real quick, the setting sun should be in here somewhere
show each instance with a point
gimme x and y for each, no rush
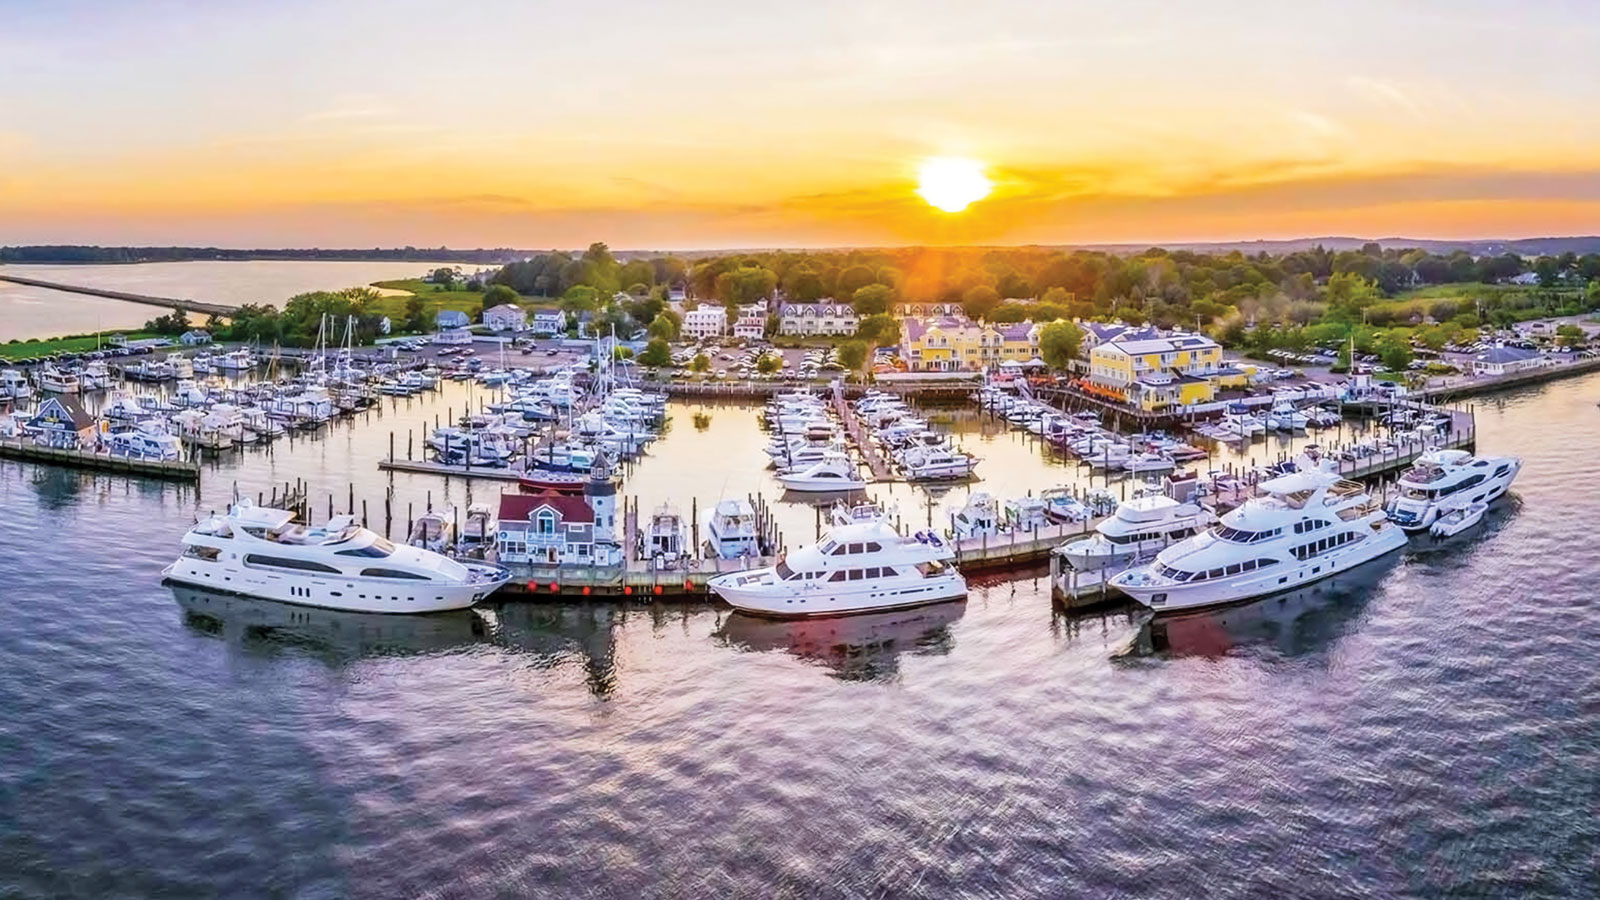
(952, 184)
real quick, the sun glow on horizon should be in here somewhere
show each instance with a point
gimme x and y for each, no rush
(952, 183)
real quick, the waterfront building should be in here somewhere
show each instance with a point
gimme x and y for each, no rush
(195, 338)
(957, 343)
(505, 317)
(705, 321)
(1097, 333)
(1155, 374)
(551, 529)
(453, 336)
(812, 319)
(62, 422)
(1506, 360)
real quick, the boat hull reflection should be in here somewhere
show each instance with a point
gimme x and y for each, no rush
(1296, 622)
(269, 627)
(857, 647)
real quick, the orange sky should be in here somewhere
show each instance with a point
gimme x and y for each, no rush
(352, 124)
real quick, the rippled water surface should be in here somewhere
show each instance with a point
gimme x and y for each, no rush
(1427, 726)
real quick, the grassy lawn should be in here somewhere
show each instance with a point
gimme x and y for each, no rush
(469, 302)
(73, 344)
(1472, 290)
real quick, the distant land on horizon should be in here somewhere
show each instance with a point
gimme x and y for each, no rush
(94, 254)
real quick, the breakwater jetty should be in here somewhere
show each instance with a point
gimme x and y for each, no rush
(195, 306)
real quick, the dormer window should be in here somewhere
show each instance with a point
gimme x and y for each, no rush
(544, 522)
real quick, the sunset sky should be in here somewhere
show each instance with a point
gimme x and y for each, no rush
(737, 124)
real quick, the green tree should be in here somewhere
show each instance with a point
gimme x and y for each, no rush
(872, 299)
(1395, 352)
(700, 363)
(444, 276)
(416, 319)
(878, 329)
(768, 364)
(854, 278)
(1571, 335)
(980, 300)
(667, 324)
(1059, 343)
(499, 295)
(658, 353)
(852, 355)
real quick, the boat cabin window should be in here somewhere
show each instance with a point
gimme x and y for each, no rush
(887, 572)
(1240, 536)
(378, 549)
(873, 546)
(856, 574)
(392, 573)
(209, 554)
(840, 575)
(856, 548)
(279, 562)
(783, 570)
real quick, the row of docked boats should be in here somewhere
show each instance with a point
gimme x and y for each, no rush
(813, 452)
(1081, 435)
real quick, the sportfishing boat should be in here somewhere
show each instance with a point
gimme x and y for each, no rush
(860, 567)
(235, 361)
(1148, 462)
(261, 552)
(1140, 527)
(479, 528)
(1445, 480)
(834, 472)
(665, 536)
(1309, 524)
(432, 531)
(1062, 506)
(1284, 417)
(980, 517)
(731, 529)
(1026, 514)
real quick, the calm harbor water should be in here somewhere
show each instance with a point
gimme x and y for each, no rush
(27, 312)
(1424, 727)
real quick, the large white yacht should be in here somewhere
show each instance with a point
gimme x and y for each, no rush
(1447, 480)
(1141, 526)
(1308, 525)
(260, 552)
(859, 567)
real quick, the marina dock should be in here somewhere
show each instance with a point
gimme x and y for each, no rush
(177, 470)
(858, 435)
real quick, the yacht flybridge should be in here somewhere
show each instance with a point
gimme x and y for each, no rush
(857, 567)
(1444, 481)
(1309, 525)
(260, 552)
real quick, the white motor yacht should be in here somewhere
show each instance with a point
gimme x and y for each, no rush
(144, 444)
(94, 376)
(1062, 506)
(14, 385)
(1309, 525)
(922, 464)
(1148, 462)
(1140, 527)
(261, 552)
(731, 529)
(57, 381)
(859, 567)
(1284, 417)
(1446, 480)
(834, 472)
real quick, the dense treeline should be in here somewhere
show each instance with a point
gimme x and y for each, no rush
(296, 325)
(93, 254)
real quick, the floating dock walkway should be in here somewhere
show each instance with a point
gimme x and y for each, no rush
(194, 306)
(176, 470)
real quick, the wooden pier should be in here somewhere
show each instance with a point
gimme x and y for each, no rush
(428, 467)
(176, 470)
(858, 434)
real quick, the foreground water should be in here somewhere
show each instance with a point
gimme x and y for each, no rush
(1427, 726)
(29, 312)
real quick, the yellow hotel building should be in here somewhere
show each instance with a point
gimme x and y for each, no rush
(1158, 373)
